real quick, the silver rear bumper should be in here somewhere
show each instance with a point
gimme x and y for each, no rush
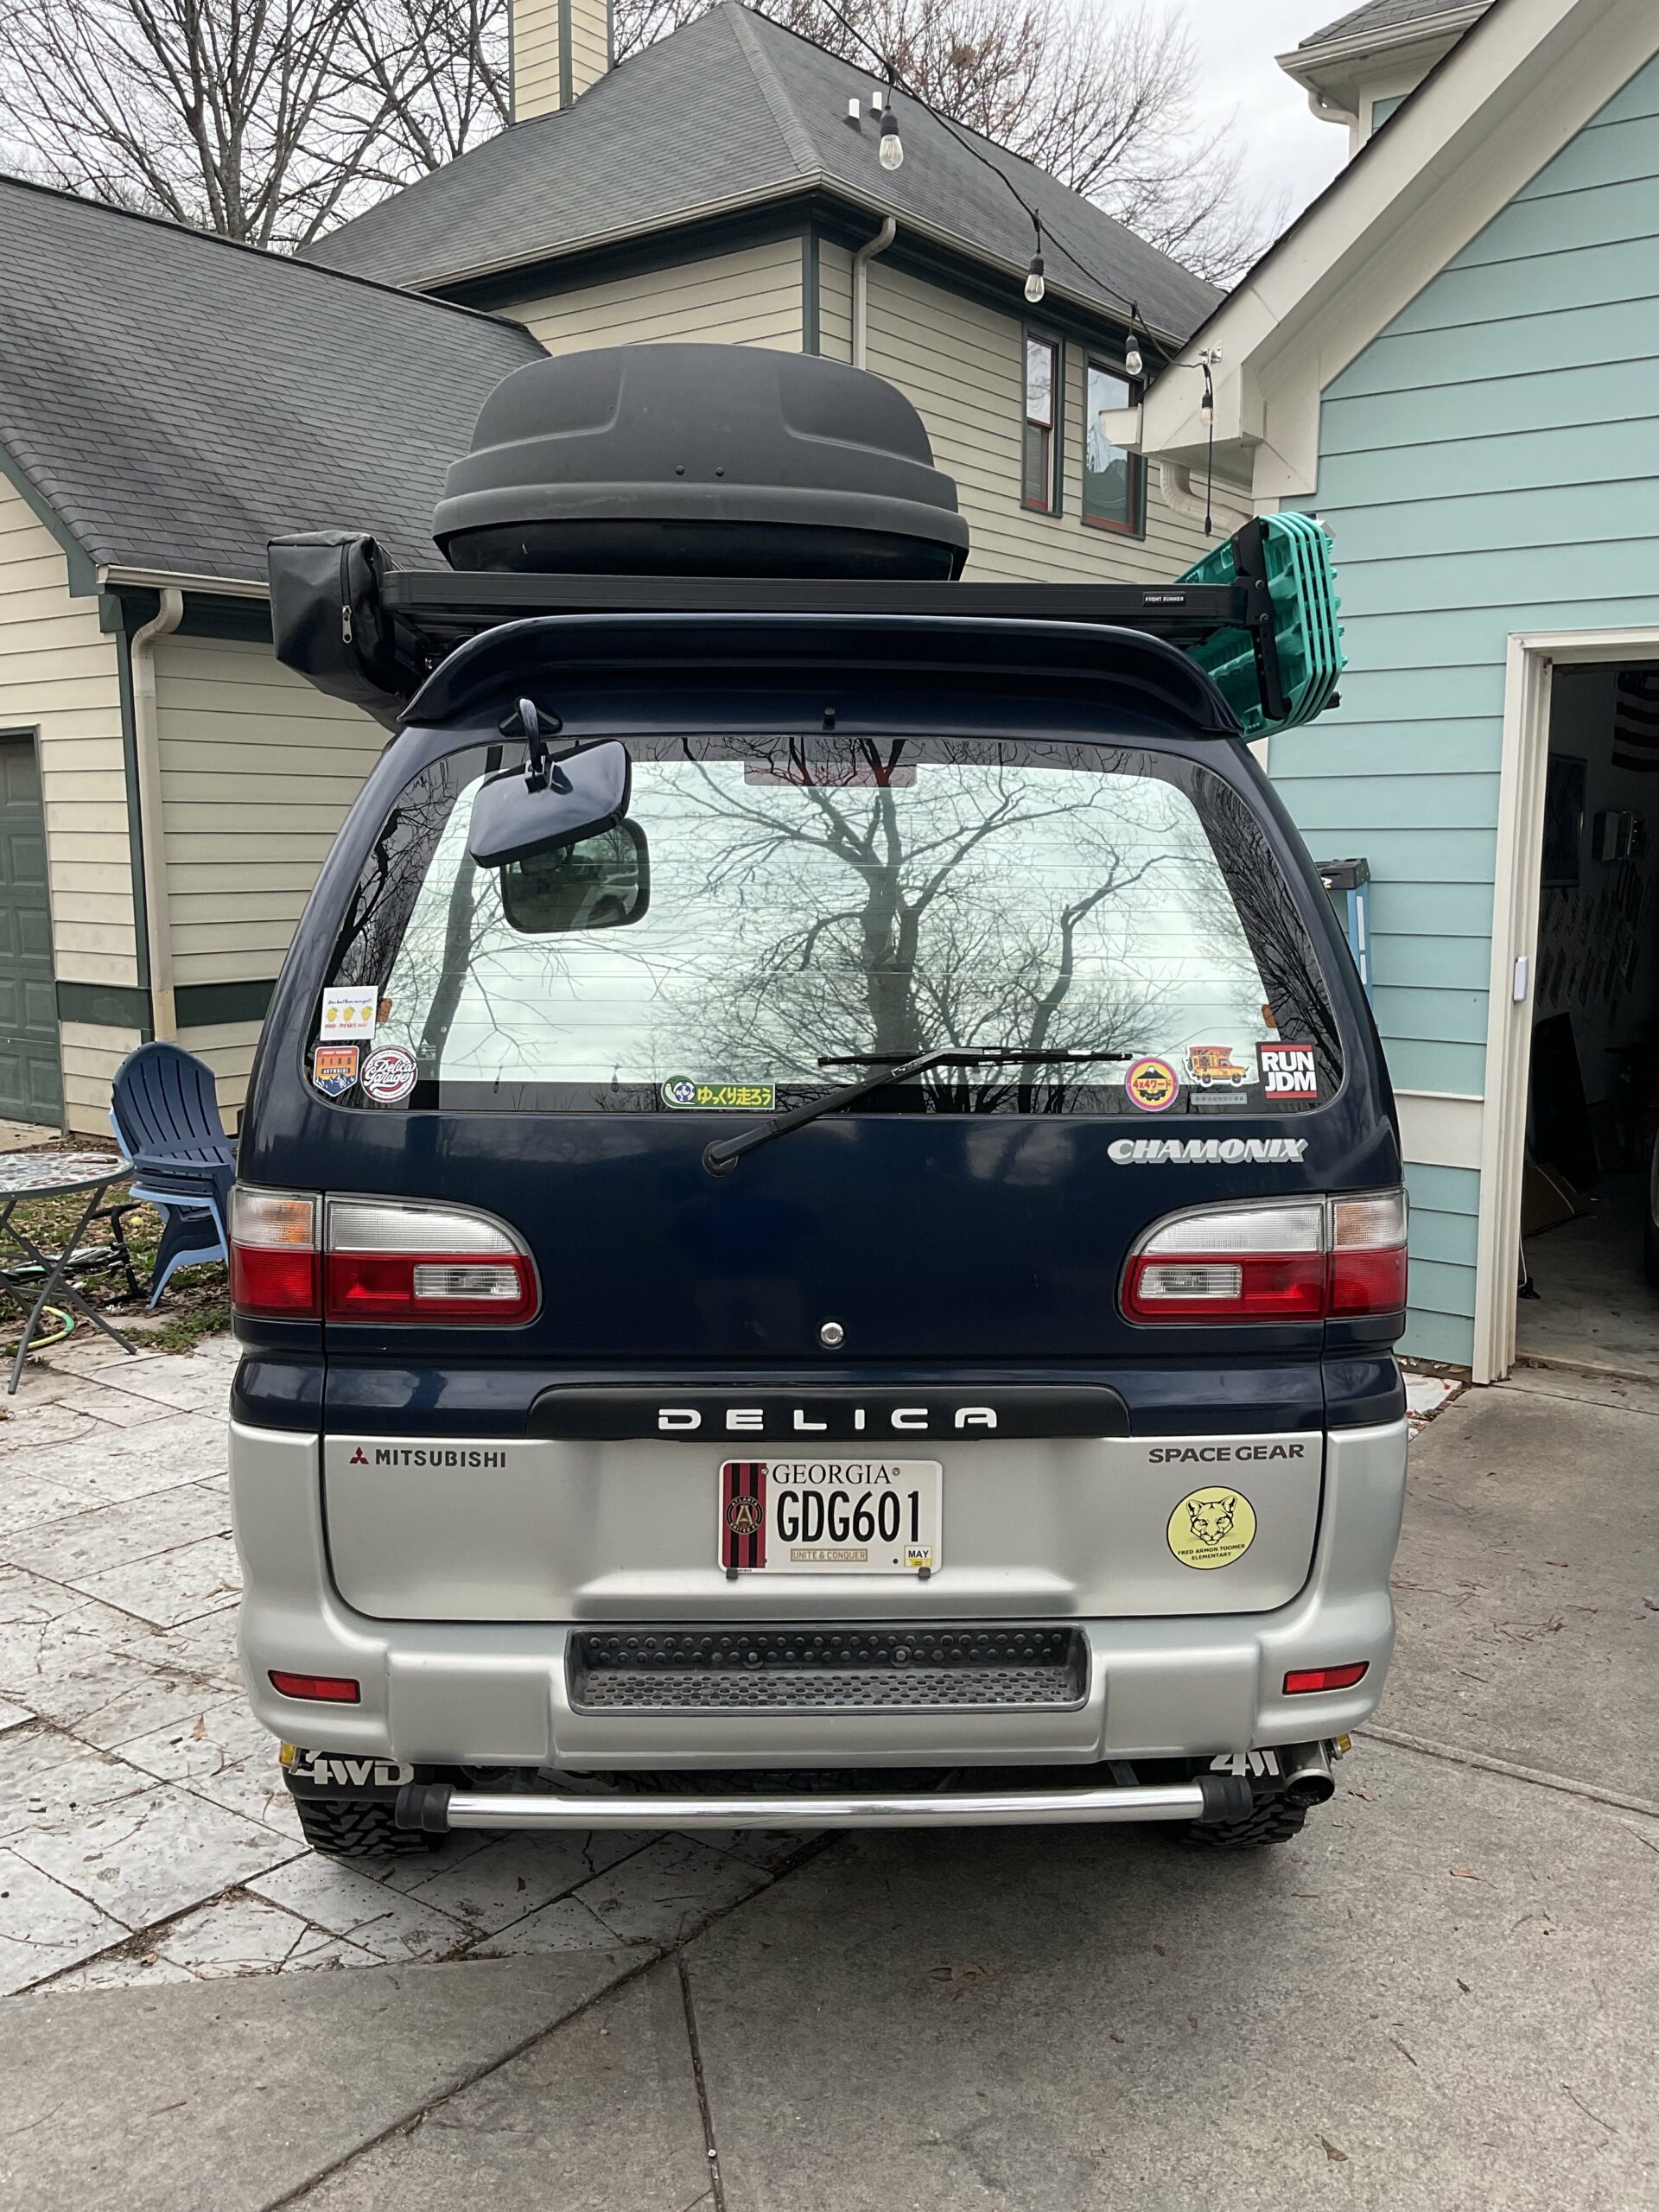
(1209, 1798)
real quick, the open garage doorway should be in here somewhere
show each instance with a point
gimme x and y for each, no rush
(1589, 1286)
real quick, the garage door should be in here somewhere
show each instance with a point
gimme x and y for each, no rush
(31, 1080)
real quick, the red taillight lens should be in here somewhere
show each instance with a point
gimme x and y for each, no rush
(321, 1690)
(274, 1265)
(392, 1260)
(1298, 1261)
(1368, 1254)
(1301, 1680)
(375, 1260)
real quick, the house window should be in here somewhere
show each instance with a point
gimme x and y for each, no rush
(1037, 488)
(1382, 110)
(1112, 478)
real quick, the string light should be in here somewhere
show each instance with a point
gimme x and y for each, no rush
(1036, 283)
(890, 151)
(1133, 362)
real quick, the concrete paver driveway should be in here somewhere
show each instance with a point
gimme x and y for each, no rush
(1444, 1995)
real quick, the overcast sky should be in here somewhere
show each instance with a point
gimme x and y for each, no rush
(1284, 149)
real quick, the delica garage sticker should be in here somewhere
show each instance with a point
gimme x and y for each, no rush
(1288, 1071)
(1220, 1067)
(333, 1069)
(720, 1097)
(347, 1013)
(1212, 1527)
(389, 1075)
(1153, 1085)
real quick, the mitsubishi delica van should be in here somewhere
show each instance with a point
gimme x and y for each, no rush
(819, 1235)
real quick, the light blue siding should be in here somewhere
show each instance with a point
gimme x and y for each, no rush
(1489, 464)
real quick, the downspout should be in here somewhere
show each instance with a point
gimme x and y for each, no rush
(146, 735)
(861, 260)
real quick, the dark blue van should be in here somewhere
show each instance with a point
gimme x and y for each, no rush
(820, 1235)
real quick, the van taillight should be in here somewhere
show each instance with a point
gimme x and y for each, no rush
(387, 1260)
(275, 1266)
(1299, 1260)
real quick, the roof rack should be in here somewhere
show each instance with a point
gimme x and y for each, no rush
(1257, 614)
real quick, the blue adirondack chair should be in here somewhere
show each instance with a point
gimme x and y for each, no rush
(165, 1114)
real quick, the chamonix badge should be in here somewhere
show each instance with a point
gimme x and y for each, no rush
(1212, 1527)
(1153, 1085)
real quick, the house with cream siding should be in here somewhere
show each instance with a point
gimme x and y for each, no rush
(1450, 360)
(169, 401)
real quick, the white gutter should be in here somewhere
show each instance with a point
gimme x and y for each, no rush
(861, 260)
(1381, 46)
(116, 578)
(152, 840)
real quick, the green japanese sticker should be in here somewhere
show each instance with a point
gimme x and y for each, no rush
(720, 1097)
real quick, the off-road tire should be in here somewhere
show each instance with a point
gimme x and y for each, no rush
(359, 1828)
(1271, 1819)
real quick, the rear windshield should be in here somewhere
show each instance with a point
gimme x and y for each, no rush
(775, 915)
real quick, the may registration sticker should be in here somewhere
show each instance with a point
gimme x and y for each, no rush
(815, 1516)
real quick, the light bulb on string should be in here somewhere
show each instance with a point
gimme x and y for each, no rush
(1133, 364)
(1036, 284)
(890, 152)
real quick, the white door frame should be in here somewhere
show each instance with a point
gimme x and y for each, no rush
(1533, 658)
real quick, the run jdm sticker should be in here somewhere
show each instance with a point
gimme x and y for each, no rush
(1288, 1071)
(1153, 1085)
(333, 1069)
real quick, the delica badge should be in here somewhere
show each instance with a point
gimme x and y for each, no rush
(1288, 1071)
(348, 1012)
(333, 1069)
(1220, 1067)
(683, 1091)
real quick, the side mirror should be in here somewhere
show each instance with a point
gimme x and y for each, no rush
(601, 882)
(524, 813)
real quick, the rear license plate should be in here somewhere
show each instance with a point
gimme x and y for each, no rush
(817, 1517)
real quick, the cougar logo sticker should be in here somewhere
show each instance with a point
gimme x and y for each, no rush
(1212, 1527)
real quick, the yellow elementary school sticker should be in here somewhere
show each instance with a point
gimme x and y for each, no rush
(1212, 1527)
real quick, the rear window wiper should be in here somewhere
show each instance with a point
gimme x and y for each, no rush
(723, 1154)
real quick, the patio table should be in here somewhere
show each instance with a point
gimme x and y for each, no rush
(27, 1175)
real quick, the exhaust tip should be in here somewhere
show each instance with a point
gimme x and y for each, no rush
(1308, 1779)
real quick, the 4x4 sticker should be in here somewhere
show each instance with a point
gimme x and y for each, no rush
(1153, 1085)
(1288, 1071)
(720, 1097)
(389, 1075)
(1212, 1527)
(333, 1069)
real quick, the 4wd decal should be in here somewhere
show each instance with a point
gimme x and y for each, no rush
(343, 1770)
(1207, 1152)
(1288, 1071)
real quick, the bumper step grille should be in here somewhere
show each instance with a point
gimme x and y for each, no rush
(831, 1671)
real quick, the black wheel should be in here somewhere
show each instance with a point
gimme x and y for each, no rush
(359, 1827)
(1271, 1819)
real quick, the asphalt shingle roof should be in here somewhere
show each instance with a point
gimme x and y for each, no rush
(1382, 15)
(734, 109)
(179, 400)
